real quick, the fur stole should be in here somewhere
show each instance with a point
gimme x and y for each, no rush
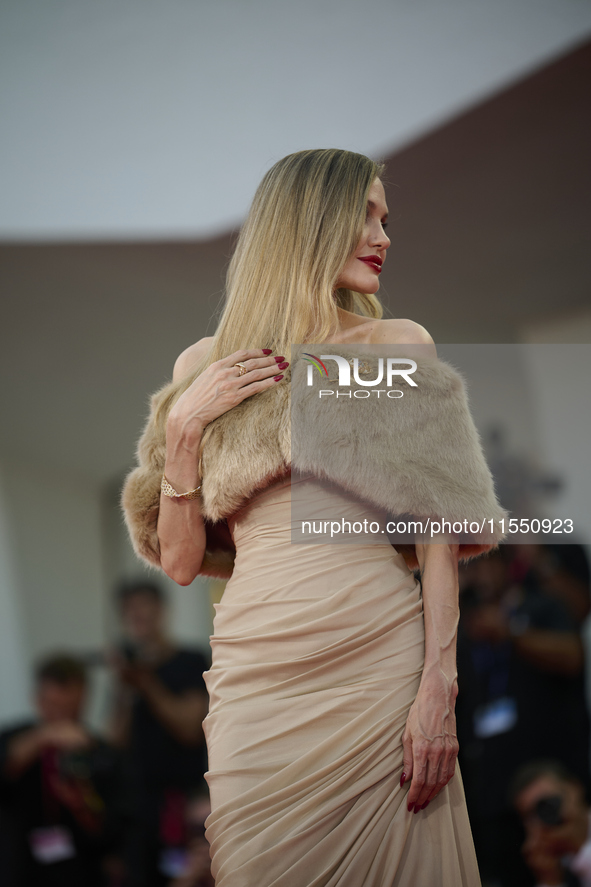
(415, 454)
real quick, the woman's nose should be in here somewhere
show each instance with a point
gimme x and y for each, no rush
(381, 239)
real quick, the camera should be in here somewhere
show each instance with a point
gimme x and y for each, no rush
(76, 764)
(86, 764)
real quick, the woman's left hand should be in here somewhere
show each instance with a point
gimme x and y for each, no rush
(429, 740)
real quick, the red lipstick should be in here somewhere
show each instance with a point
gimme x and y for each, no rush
(373, 261)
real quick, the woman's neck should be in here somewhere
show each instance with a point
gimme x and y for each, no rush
(353, 327)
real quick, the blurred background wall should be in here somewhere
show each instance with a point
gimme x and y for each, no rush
(133, 137)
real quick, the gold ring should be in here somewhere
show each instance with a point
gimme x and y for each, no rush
(242, 369)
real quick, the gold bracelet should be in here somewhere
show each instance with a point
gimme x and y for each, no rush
(170, 491)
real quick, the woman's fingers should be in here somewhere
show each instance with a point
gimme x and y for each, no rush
(432, 770)
(407, 766)
(450, 762)
(257, 367)
(445, 770)
(221, 387)
(416, 786)
(260, 377)
(229, 387)
(435, 783)
(261, 373)
(425, 772)
(243, 354)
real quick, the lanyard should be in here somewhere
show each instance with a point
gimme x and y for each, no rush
(49, 772)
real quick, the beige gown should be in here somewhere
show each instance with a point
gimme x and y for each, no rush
(317, 655)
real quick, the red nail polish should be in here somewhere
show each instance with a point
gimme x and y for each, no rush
(277, 378)
(426, 804)
(402, 779)
(267, 350)
(417, 809)
(283, 366)
(280, 358)
(409, 808)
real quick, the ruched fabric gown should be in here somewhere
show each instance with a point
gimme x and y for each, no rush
(317, 655)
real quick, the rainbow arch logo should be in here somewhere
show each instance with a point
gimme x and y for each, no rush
(315, 361)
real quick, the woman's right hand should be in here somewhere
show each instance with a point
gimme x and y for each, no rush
(220, 387)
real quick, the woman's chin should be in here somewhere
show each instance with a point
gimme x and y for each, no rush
(369, 287)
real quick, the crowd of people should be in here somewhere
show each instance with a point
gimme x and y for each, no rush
(521, 695)
(128, 808)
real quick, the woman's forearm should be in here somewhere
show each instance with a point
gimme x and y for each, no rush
(430, 745)
(181, 531)
(439, 580)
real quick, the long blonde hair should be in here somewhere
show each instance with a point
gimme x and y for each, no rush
(305, 221)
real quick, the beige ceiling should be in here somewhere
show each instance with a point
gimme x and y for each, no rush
(491, 218)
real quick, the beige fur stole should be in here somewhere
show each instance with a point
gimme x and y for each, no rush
(417, 455)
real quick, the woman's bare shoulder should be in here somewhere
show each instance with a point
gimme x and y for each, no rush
(190, 357)
(394, 331)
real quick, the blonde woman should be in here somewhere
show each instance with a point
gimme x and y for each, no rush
(331, 731)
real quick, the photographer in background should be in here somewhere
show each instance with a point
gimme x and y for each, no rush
(60, 787)
(556, 817)
(160, 705)
(521, 692)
